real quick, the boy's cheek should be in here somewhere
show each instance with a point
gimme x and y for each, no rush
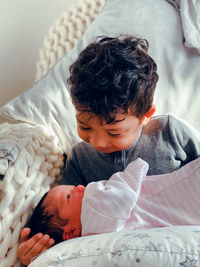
(83, 136)
(123, 143)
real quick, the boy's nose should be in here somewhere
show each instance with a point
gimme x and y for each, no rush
(98, 141)
(80, 188)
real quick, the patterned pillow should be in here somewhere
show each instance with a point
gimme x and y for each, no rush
(168, 246)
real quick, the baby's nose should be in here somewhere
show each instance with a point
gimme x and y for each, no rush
(80, 188)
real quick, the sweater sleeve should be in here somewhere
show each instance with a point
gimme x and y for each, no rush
(107, 205)
(185, 138)
(72, 173)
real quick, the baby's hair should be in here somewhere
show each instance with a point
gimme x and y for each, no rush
(44, 223)
(112, 75)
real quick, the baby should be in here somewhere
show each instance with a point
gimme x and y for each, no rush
(128, 200)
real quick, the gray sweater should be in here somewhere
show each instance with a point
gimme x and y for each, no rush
(166, 143)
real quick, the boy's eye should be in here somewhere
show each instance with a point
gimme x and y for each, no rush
(114, 135)
(84, 128)
(68, 196)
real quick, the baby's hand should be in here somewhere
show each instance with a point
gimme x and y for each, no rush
(29, 248)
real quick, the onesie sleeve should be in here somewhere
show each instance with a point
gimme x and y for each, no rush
(107, 205)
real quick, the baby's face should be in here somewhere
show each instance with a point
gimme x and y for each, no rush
(66, 202)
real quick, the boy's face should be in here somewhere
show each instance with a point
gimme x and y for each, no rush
(66, 202)
(108, 138)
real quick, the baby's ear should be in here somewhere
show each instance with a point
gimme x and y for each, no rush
(70, 232)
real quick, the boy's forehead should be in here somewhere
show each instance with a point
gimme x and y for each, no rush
(85, 116)
(56, 191)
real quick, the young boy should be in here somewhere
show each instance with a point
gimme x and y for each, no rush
(112, 87)
(129, 200)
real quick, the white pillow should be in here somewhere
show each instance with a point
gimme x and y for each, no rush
(169, 247)
(48, 103)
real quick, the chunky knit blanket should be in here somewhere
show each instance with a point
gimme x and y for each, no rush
(24, 182)
(65, 32)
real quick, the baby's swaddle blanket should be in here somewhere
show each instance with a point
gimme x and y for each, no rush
(130, 200)
(190, 18)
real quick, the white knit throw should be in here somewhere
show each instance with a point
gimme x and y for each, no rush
(35, 170)
(65, 33)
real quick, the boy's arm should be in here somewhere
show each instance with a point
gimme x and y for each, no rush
(185, 136)
(72, 174)
(108, 204)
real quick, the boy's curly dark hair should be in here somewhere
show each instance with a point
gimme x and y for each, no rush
(113, 74)
(41, 222)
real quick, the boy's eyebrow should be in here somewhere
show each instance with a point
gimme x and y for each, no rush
(115, 121)
(81, 121)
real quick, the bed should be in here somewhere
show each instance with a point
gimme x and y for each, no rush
(43, 129)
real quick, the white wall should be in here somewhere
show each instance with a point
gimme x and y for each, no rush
(23, 26)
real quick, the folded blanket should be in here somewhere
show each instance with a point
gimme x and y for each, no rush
(190, 18)
(8, 155)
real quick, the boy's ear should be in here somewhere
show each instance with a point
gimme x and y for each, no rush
(151, 111)
(70, 232)
(149, 114)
